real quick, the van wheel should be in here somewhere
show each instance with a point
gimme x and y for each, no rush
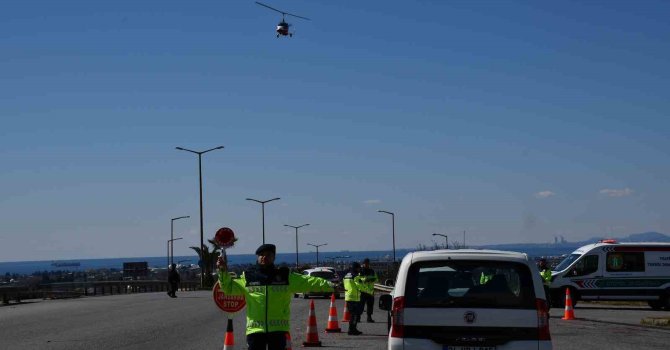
(304, 296)
(656, 304)
(557, 301)
(558, 298)
(663, 303)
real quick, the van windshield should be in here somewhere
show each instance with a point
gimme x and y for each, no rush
(470, 284)
(566, 262)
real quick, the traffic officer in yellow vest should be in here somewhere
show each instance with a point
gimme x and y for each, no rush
(354, 283)
(268, 291)
(545, 273)
(368, 299)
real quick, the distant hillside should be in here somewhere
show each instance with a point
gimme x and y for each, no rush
(541, 249)
(646, 237)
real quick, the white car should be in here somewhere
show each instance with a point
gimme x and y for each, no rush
(467, 299)
(327, 273)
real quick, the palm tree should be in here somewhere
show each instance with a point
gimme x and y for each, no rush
(208, 260)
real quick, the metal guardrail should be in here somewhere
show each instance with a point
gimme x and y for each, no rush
(77, 289)
(383, 288)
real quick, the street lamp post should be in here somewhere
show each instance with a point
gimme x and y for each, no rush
(446, 239)
(296, 242)
(202, 275)
(172, 236)
(392, 228)
(263, 211)
(168, 248)
(317, 251)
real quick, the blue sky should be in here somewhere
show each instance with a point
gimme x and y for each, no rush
(513, 121)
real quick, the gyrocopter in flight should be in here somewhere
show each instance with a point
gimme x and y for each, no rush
(282, 27)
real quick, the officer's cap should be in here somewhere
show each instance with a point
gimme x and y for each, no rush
(355, 265)
(366, 261)
(266, 247)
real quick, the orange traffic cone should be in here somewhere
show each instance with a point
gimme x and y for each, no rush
(312, 338)
(289, 343)
(569, 311)
(229, 340)
(332, 326)
(346, 317)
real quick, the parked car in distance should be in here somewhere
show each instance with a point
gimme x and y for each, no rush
(467, 299)
(327, 273)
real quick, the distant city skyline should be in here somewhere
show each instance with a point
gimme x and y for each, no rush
(514, 122)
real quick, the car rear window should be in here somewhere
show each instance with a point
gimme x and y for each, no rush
(459, 283)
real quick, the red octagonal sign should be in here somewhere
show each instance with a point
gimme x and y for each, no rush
(227, 303)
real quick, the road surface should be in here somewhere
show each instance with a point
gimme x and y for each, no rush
(192, 321)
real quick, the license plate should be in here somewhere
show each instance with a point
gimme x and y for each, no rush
(449, 347)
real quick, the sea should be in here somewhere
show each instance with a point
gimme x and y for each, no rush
(73, 265)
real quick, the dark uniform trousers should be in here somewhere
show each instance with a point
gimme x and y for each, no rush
(355, 309)
(367, 301)
(269, 341)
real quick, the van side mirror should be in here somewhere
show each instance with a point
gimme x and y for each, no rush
(385, 302)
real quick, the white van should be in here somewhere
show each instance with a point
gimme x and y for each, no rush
(609, 270)
(467, 299)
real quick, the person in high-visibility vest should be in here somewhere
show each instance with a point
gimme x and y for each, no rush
(354, 283)
(268, 291)
(368, 299)
(484, 278)
(545, 273)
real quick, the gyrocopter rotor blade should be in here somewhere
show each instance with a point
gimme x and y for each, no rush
(289, 14)
(282, 12)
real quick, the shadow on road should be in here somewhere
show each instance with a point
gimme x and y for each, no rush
(628, 308)
(19, 303)
(635, 325)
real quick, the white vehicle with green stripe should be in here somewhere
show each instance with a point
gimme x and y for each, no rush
(609, 270)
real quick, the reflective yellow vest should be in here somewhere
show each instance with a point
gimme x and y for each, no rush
(485, 278)
(546, 276)
(370, 280)
(354, 285)
(268, 302)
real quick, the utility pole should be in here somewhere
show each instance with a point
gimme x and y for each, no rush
(317, 251)
(296, 243)
(446, 239)
(263, 211)
(171, 261)
(392, 228)
(202, 244)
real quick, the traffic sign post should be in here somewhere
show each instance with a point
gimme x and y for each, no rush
(228, 303)
(225, 238)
